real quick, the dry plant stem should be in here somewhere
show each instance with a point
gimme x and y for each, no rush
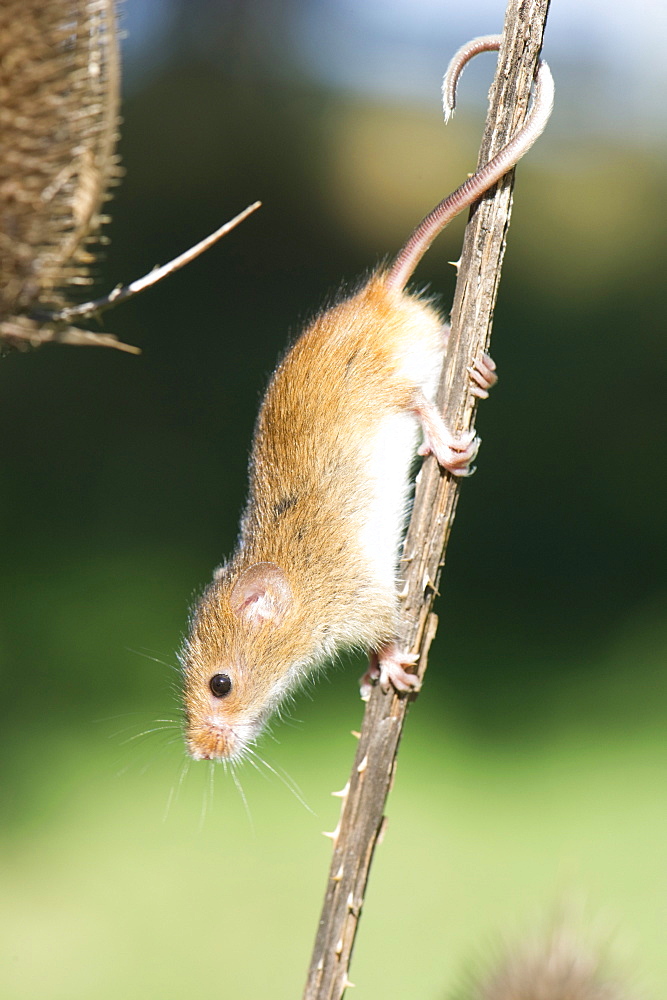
(364, 797)
(41, 327)
(120, 294)
(22, 329)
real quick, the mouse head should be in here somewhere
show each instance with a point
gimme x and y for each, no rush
(236, 661)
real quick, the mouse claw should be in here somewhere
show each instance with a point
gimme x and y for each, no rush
(366, 685)
(368, 681)
(483, 374)
(454, 452)
(387, 667)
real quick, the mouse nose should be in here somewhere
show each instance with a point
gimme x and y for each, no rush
(212, 740)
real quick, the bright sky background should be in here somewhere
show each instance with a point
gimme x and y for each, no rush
(608, 56)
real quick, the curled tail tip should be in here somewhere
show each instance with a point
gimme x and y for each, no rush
(448, 98)
(485, 177)
(458, 62)
(546, 82)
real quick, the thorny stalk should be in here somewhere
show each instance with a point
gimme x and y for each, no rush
(364, 796)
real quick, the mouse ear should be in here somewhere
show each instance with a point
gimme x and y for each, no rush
(261, 594)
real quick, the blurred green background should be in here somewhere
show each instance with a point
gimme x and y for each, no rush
(533, 765)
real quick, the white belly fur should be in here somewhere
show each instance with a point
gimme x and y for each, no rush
(389, 475)
(389, 467)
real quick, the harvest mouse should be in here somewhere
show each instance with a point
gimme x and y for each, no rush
(314, 571)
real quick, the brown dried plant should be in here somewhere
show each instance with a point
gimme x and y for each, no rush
(59, 99)
(559, 965)
(59, 102)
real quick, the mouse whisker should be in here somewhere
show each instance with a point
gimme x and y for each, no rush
(155, 659)
(149, 732)
(207, 795)
(283, 777)
(175, 789)
(244, 800)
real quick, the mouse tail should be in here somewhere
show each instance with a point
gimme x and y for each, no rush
(405, 263)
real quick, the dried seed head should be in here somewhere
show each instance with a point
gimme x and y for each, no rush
(560, 966)
(59, 94)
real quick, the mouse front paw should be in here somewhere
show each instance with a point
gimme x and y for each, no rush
(387, 666)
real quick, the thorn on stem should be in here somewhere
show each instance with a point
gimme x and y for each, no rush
(333, 834)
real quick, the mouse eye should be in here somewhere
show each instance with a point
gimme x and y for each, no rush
(220, 685)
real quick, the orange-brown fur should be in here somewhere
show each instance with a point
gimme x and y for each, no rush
(329, 482)
(309, 492)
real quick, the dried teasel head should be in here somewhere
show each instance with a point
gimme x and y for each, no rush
(59, 98)
(560, 964)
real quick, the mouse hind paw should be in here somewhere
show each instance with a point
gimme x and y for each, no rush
(454, 452)
(482, 376)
